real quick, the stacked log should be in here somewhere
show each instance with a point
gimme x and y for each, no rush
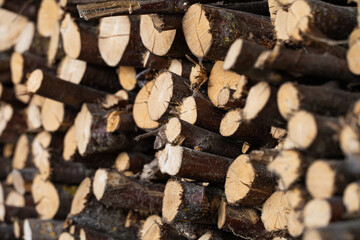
(168, 119)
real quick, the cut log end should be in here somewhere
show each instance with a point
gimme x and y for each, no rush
(233, 53)
(114, 36)
(151, 228)
(6, 113)
(275, 212)
(170, 159)
(258, 97)
(302, 129)
(288, 100)
(52, 114)
(113, 121)
(71, 69)
(317, 213)
(187, 110)
(34, 81)
(66, 236)
(298, 20)
(15, 199)
(127, 77)
(48, 16)
(79, 200)
(83, 123)
(172, 200)
(22, 150)
(353, 58)
(27, 230)
(320, 179)
(160, 95)
(196, 29)
(156, 42)
(18, 181)
(99, 183)
(33, 117)
(221, 214)
(24, 41)
(69, 143)
(173, 130)
(352, 197)
(239, 178)
(230, 122)
(70, 36)
(16, 67)
(122, 162)
(349, 140)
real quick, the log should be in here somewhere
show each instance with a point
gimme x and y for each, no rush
(154, 229)
(317, 135)
(131, 161)
(275, 212)
(165, 22)
(5, 167)
(6, 231)
(90, 127)
(42, 229)
(186, 201)
(9, 213)
(248, 183)
(55, 116)
(351, 198)
(320, 212)
(179, 132)
(255, 7)
(48, 16)
(8, 95)
(22, 179)
(169, 89)
(338, 230)
(199, 111)
(118, 121)
(197, 165)
(169, 43)
(325, 179)
(207, 41)
(118, 191)
(72, 94)
(22, 154)
(309, 19)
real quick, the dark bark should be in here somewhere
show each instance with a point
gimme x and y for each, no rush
(44, 229)
(5, 167)
(28, 9)
(164, 22)
(6, 232)
(255, 7)
(12, 212)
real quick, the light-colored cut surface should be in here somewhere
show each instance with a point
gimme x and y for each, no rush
(221, 214)
(27, 230)
(295, 224)
(83, 123)
(48, 16)
(172, 200)
(160, 95)
(230, 122)
(317, 213)
(69, 143)
(320, 179)
(16, 67)
(256, 100)
(349, 140)
(140, 110)
(99, 184)
(11, 26)
(127, 77)
(66, 236)
(175, 67)
(71, 37)
(122, 162)
(53, 44)
(156, 42)
(275, 212)
(25, 38)
(79, 200)
(52, 114)
(353, 58)
(196, 29)
(6, 113)
(113, 120)
(302, 129)
(33, 117)
(114, 36)
(18, 181)
(298, 19)
(34, 80)
(170, 159)
(22, 93)
(233, 54)
(151, 228)
(15, 199)
(351, 197)
(173, 130)
(288, 100)
(2, 212)
(22, 150)
(187, 110)
(71, 69)
(280, 25)
(239, 179)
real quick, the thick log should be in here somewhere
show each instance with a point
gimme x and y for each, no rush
(56, 116)
(179, 132)
(118, 121)
(317, 135)
(275, 212)
(5, 167)
(131, 161)
(199, 111)
(248, 183)
(211, 37)
(9, 213)
(320, 212)
(351, 198)
(118, 191)
(155, 229)
(192, 164)
(165, 22)
(91, 134)
(42, 229)
(169, 89)
(325, 179)
(315, 20)
(255, 7)
(169, 43)
(186, 201)
(8, 95)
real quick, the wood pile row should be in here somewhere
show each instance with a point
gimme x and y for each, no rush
(172, 119)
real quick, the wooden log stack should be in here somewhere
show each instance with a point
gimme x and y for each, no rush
(169, 119)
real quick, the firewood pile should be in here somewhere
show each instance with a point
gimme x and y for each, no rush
(173, 119)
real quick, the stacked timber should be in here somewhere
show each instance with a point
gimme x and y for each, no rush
(169, 119)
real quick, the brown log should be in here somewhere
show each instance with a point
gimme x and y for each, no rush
(320, 212)
(9, 213)
(186, 201)
(90, 126)
(209, 38)
(317, 135)
(243, 222)
(199, 111)
(42, 229)
(22, 179)
(169, 43)
(5, 167)
(6, 232)
(118, 121)
(197, 165)
(165, 22)
(309, 19)
(275, 212)
(28, 9)
(118, 191)
(338, 230)
(169, 89)
(322, 100)
(72, 94)
(248, 183)
(179, 132)
(8, 95)
(131, 161)
(325, 179)
(151, 173)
